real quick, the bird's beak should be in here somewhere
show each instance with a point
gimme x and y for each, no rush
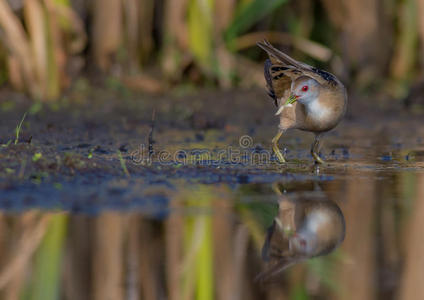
(292, 99)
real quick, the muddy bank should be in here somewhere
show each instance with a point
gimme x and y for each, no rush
(94, 149)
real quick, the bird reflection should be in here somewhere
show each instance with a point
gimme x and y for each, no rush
(305, 227)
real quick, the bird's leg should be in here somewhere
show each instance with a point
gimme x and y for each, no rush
(315, 150)
(276, 188)
(275, 148)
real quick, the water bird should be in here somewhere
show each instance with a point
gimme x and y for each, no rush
(307, 98)
(303, 228)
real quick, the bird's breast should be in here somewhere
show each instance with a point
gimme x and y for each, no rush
(318, 111)
(323, 115)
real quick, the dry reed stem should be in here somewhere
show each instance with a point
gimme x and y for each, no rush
(57, 57)
(420, 13)
(175, 36)
(411, 281)
(131, 27)
(135, 278)
(175, 22)
(365, 36)
(306, 17)
(388, 230)
(224, 262)
(173, 244)
(3, 236)
(404, 57)
(36, 25)
(240, 246)
(77, 30)
(14, 39)
(13, 290)
(37, 57)
(108, 257)
(15, 74)
(336, 12)
(77, 279)
(224, 13)
(358, 272)
(149, 264)
(362, 28)
(145, 28)
(33, 229)
(106, 31)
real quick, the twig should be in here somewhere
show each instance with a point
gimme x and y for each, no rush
(29, 241)
(18, 128)
(124, 167)
(22, 169)
(152, 127)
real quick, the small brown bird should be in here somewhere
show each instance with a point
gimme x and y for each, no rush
(303, 228)
(307, 98)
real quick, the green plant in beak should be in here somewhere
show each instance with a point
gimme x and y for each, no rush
(290, 100)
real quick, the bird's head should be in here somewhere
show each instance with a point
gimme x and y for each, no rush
(321, 232)
(304, 244)
(305, 89)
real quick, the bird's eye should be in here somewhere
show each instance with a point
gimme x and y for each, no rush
(305, 88)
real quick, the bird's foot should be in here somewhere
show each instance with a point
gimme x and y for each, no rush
(318, 160)
(279, 155)
(275, 148)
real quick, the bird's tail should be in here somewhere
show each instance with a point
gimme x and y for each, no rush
(282, 57)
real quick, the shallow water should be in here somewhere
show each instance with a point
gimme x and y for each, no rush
(190, 221)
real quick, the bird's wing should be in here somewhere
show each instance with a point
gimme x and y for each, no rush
(279, 78)
(282, 57)
(278, 58)
(276, 267)
(275, 243)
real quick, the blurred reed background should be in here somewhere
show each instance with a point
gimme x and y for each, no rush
(154, 45)
(208, 247)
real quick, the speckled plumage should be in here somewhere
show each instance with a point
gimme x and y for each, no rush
(320, 114)
(318, 223)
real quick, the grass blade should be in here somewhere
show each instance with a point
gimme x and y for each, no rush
(249, 15)
(34, 16)
(123, 165)
(46, 276)
(200, 14)
(198, 269)
(14, 39)
(18, 128)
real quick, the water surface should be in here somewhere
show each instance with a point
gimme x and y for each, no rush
(104, 214)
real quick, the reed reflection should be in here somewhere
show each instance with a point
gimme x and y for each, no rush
(306, 226)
